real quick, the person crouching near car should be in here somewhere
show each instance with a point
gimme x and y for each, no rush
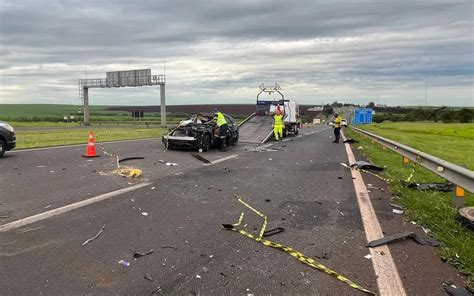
(222, 125)
(337, 127)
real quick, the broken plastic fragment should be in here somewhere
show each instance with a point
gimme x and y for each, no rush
(145, 213)
(124, 263)
(396, 211)
(368, 256)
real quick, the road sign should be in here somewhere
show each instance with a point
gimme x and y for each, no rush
(363, 115)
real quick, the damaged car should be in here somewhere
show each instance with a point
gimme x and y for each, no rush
(201, 132)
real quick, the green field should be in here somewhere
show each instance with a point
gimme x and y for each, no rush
(59, 137)
(430, 209)
(453, 142)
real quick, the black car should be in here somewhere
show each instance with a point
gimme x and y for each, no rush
(7, 138)
(201, 132)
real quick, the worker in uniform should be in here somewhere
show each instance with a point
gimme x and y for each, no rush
(278, 126)
(337, 127)
(222, 125)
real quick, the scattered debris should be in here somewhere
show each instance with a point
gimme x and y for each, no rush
(269, 159)
(273, 231)
(156, 291)
(226, 170)
(360, 148)
(413, 222)
(198, 276)
(128, 172)
(40, 166)
(364, 165)
(425, 230)
(169, 247)
(131, 158)
(201, 158)
(443, 187)
(95, 236)
(267, 200)
(350, 141)
(466, 215)
(388, 239)
(399, 212)
(396, 206)
(455, 291)
(340, 178)
(171, 164)
(145, 214)
(124, 263)
(148, 277)
(5, 215)
(47, 207)
(368, 256)
(138, 254)
(153, 188)
(345, 165)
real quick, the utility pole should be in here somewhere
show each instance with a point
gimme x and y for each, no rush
(426, 91)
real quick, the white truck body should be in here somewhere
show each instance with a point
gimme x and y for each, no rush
(292, 115)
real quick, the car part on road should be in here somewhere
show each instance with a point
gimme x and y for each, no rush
(455, 291)
(148, 277)
(201, 158)
(273, 231)
(364, 165)
(290, 251)
(124, 263)
(466, 215)
(408, 234)
(131, 158)
(444, 187)
(399, 212)
(350, 141)
(169, 247)
(95, 236)
(139, 254)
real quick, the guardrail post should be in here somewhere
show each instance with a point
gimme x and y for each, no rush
(458, 196)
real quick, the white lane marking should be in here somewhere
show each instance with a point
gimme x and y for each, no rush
(299, 136)
(67, 208)
(79, 145)
(285, 140)
(388, 279)
(224, 159)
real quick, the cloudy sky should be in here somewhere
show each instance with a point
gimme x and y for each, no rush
(221, 51)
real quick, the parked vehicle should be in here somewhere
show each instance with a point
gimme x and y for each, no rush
(7, 138)
(343, 122)
(200, 132)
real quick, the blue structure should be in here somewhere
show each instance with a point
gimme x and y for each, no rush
(362, 115)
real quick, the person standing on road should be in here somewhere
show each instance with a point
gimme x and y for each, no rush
(337, 127)
(278, 126)
(222, 125)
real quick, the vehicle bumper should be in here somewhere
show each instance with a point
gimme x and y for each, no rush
(177, 141)
(11, 144)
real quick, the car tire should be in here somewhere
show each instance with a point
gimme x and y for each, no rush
(206, 143)
(236, 140)
(3, 147)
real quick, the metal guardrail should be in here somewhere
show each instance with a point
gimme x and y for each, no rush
(453, 173)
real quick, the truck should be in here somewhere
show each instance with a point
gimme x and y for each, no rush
(291, 115)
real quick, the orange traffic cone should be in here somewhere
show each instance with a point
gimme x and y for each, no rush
(90, 152)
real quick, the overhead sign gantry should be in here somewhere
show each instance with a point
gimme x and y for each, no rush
(131, 78)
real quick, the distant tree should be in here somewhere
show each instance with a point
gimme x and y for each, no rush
(371, 105)
(465, 115)
(327, 110)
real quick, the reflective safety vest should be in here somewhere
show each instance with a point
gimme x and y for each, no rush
(278, 119)
(220, 119)
(337, 122)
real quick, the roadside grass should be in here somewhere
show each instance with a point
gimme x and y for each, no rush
(58, 137)
(428, 208)
(449, 141)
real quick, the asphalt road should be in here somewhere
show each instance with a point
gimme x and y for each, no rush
(301, 187)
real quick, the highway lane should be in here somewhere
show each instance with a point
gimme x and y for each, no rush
(301, 187)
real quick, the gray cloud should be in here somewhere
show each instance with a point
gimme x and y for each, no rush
(222, 50)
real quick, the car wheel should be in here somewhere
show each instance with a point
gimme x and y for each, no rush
(206, 143)
(235, 140)
(3, 147)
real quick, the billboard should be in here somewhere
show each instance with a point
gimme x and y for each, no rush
(363, 115)
(128, 78)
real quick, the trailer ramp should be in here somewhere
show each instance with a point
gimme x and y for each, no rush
(256, 129)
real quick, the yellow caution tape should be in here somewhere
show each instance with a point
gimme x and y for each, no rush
(298, 255)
